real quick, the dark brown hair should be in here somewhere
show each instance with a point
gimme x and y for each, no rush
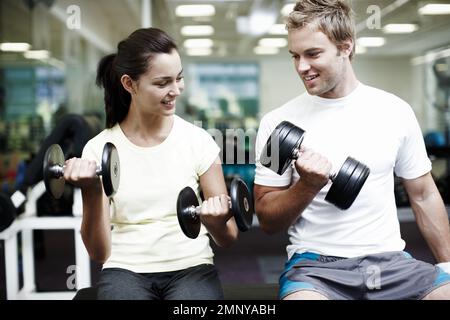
(132, 58)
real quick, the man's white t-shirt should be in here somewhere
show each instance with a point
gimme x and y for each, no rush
(372, 126)
(146, 236)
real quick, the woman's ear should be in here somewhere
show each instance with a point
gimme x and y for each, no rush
(128, 84)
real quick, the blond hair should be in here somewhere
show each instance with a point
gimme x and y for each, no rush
(332, 17)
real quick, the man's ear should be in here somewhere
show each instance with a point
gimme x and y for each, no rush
(346, 47)
(128, 83)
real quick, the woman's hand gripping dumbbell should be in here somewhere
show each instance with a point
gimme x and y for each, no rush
(55, 170)
(239, 202)
(347, 182)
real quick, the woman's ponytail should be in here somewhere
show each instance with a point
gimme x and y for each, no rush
(117, 99)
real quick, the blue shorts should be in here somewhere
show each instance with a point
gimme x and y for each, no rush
(389, 275)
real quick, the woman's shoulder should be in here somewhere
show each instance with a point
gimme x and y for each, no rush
(187, 127)
(106, 135)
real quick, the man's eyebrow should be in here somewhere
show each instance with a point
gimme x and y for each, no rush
(307, 50)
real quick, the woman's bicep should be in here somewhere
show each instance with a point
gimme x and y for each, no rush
(212, 182)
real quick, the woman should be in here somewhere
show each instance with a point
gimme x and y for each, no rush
(136, 234)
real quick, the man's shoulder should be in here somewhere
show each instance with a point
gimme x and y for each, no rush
(381, 94)
(287, 109)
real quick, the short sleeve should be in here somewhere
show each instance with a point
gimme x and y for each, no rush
(263, 175)
(206, 152)
(412, 159)
(89, 152)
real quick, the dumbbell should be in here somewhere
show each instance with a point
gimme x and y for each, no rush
(347, 182)
(189, 210)
(54, 170)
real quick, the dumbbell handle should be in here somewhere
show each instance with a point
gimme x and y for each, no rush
(58, 171)
(196, 211)
(296, 154)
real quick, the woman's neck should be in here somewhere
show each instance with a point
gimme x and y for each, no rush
(146, 130)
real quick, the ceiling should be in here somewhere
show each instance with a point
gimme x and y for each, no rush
(105, 22)
(433, 32)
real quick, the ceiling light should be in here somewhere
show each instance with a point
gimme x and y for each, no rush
(435, 8)
(198, 51)
(371, 41)
(273, 42)
(441, 67)
(195, 10)
(204, 30)
(360, 49)
(400, 28)
(263, 14)
(14, 46)
(36, 54)
(278, 29)
(287, 8)
(265, 50)
(198, 43)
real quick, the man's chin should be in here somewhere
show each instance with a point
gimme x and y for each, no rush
(313, 91)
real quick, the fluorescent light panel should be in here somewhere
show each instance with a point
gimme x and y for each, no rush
(195, 10)
(273, 42)
(198, 51)
(371, 41)
(204, 30)
(265, 50)
(198, 43)
(278, 29)
(400, 28)
(360, 49)
(435, 9)
(15, 46)
(36, 54)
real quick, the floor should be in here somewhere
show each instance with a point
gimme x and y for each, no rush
(250, 268)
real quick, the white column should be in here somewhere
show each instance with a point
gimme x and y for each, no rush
(11, 265)
(146, 14)
(29, 283)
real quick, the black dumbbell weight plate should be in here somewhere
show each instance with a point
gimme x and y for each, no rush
(289, 138)
(188, 223)
(241, 204)
(7, 211)
(354, 185)
(347, 184)
(290, 145)
(54, 156)
(339, 181)
(110, 169)
(270, 156)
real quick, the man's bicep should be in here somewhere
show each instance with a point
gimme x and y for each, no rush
(416, 188)
(260, 191)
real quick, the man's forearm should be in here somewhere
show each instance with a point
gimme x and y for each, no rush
(278, 210)
(432, 219)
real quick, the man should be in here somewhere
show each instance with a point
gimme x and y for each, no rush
(355, 253)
